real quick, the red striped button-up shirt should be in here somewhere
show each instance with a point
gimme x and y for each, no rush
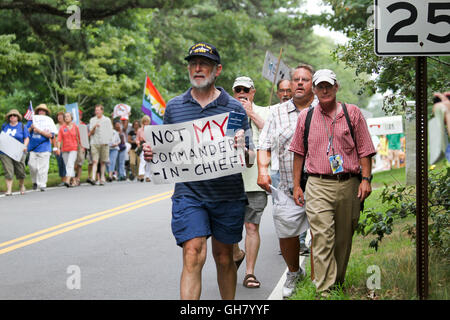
(317, 160)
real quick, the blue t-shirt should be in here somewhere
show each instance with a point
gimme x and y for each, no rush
(185, 108)
(18, 132)
(39, 143)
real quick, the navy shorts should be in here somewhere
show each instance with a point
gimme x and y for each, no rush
(192, 218)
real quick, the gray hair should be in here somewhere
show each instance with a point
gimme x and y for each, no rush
(302, 66)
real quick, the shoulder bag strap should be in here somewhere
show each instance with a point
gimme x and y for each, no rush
(307, 125)
(344, 108)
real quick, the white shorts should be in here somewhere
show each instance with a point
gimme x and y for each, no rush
(289, 219)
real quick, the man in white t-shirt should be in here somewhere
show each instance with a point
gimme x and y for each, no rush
(100, 133)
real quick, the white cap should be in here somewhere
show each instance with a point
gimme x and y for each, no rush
(324, 75)
(243, 82)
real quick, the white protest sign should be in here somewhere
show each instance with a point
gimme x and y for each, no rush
(385, 125)
(44, 123)
(437, 138)
(84, 138)
(11, 147)
(121, 110)
(106, 133)
(270, 68)
(73, 109)
(193, 151)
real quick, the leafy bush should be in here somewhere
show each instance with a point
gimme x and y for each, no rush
(402, 202)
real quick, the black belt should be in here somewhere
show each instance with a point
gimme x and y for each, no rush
(340, 177)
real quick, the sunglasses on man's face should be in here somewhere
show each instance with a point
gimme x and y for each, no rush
(239, 89)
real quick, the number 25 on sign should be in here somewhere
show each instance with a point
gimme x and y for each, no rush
(412, 28)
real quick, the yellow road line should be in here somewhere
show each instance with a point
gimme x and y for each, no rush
(99, 216)
(81, 219)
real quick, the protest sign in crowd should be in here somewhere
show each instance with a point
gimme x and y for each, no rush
(112, 147)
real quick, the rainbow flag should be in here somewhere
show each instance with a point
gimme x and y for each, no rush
(153, 104)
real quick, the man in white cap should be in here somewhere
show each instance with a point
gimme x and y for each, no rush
(244, 91)
(338, 162)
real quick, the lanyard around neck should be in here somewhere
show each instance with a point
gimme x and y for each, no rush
(330, 137)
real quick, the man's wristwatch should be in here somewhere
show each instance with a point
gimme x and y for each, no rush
(368, 178)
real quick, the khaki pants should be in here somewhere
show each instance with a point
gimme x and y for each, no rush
(100, 152)
(134, 162)
(332, 208)
(11, 167)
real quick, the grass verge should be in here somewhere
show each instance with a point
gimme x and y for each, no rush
(395, 258)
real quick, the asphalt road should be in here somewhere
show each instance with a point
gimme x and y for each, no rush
(110, 242)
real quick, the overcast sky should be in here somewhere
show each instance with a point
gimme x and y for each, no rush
(317, 7)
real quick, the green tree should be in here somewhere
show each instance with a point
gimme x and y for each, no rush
(106, 60)
(397, 74)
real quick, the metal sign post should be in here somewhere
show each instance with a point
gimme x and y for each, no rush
(416, 28)
(421, 178)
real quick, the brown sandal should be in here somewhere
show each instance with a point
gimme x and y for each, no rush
(238, 262)
(250, 278)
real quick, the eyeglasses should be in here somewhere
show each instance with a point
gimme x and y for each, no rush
(239, 89)
(322, 87)
(200, 63)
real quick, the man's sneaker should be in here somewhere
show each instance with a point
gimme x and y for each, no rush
(291, 282)
(35, 186)
(304, 251)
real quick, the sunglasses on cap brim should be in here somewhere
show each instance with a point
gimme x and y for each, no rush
(239, 89)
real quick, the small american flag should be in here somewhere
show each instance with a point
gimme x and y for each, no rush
(29, 114)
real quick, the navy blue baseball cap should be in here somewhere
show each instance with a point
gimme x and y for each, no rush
(204, 49)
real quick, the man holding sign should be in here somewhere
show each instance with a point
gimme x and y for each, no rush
(40, 146)
(213, 207)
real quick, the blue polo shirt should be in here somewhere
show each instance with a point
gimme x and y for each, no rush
(185, 108)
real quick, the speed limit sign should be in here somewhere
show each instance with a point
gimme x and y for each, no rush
(412, 28)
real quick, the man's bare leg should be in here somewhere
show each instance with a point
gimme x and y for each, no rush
(94, 170)
(252, 243)
(226, 268)
(290, 249)
(102, 171)
(194, 257)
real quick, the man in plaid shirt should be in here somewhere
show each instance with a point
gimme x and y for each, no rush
(276, 137)
(340, 149)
